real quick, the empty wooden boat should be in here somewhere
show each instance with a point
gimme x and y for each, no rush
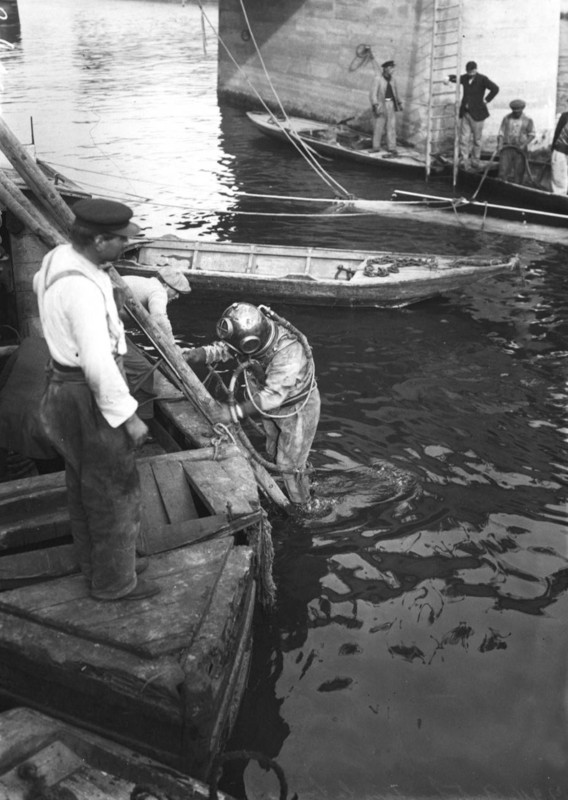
(313, 275)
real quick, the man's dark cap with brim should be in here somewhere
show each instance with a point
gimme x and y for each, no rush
(106, 216)
(386, 64)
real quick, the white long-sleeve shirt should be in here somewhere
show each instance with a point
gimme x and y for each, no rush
(153, 296)
(82, 328)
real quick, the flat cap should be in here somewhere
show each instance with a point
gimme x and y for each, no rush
(388, 64)
(106, 216)
(175, 279)
(517, 104)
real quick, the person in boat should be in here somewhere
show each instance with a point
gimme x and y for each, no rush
(87, 411)
(477, 91)
(559, 156)
(154, 294)
(515, 134)
(280, 382)
(385, 102)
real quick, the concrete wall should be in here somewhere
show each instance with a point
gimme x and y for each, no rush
(309, 49)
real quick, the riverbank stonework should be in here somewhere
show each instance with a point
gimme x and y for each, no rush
(310, 50)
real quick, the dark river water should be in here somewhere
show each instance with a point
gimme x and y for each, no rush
(419, 646)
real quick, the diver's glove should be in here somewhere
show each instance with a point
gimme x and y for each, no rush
(194, 355)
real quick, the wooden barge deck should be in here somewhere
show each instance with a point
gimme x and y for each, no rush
(163, 675)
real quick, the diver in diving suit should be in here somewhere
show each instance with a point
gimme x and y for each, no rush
(280, 383)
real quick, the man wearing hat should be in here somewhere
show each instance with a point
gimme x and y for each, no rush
(153, 294)
(473, 112)
(385, 102)
(515, 134)
(87, 411)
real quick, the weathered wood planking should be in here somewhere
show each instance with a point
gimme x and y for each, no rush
(88, 766)
(162, 674)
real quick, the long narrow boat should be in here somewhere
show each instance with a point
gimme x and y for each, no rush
(532, 199)
(339, 141)
(163, 675)
(43, 757)
(473, 215)
(318, 276)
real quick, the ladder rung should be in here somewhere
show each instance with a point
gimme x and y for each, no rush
(448, 44)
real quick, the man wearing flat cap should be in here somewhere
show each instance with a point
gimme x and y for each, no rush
(87, 411)
(477, 91)
(385, 102)
(153, 294)
(515, 134)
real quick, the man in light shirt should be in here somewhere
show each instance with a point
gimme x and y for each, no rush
(87, 411)
(154, 294)
(515, 135)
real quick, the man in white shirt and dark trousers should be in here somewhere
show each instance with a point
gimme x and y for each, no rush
(87, 411)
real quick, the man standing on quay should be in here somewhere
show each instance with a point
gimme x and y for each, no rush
(473, 113)
(385, 102)
(87, 410)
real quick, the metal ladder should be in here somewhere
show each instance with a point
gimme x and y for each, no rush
(443, 96)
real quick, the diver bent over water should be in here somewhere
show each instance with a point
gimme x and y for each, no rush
(280, 383)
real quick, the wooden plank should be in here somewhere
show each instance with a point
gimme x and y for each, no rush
(217, 489)
(239, 472)
(49, 527)
(174, 490)
(153, 512)
(186, 578)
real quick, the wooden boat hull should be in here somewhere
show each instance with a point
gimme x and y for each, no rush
(43, 754)
(528, 198)
(334, 141)
(316, 276)
(165, 675)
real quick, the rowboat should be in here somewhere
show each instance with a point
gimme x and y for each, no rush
(43, 757)
(164, 675)
(475, 215)
(318, 276)
(339, 141)
(534, 198)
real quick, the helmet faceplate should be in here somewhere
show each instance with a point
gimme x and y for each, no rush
(245, 328)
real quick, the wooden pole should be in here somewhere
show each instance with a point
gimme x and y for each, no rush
(27, 168)
(20, 206)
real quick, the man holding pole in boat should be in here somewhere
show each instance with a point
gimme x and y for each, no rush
(154, 294)
(515, 135)
(280, 384)
(473, 112)
(87, 410)
(385, 102)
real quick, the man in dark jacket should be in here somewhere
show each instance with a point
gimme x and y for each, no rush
(473, 112)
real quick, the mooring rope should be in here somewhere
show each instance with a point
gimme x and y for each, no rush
(300, 146)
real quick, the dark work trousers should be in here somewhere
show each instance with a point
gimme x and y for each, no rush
(136, 366)
(103, 486)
